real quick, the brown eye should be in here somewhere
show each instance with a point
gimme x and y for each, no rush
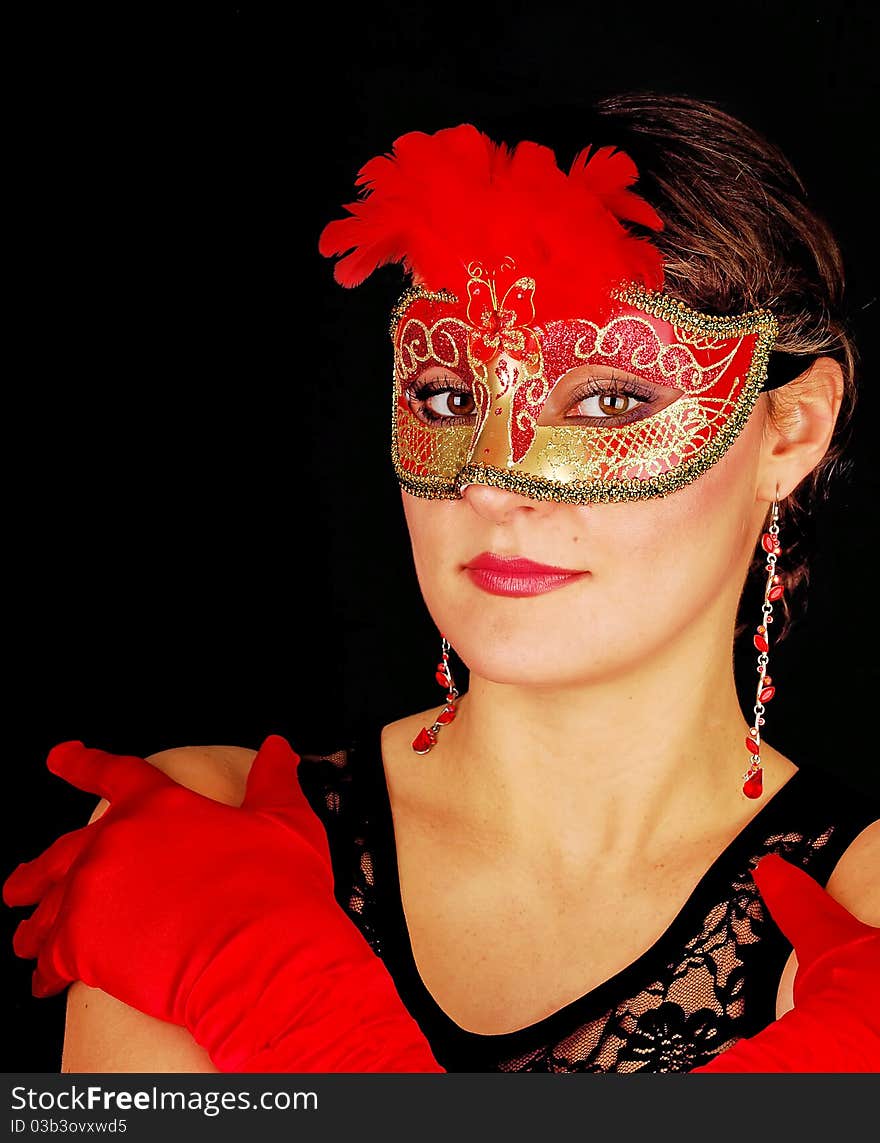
(608, 403)
(451, 402)
(617, 401)
(446, 400)
(606, 400)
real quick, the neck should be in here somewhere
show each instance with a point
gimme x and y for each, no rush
(607, 770)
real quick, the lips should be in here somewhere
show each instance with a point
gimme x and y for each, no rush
(505, 575)
(517, 566)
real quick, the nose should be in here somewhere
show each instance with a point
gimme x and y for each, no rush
(499, 504)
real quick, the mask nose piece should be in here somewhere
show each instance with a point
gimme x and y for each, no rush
(491, 445)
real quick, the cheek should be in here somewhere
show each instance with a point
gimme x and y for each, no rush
(658, 565)
(435, 533)
(430, 523)
(683, 550)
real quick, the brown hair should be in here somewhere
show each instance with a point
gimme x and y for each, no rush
(739, 233)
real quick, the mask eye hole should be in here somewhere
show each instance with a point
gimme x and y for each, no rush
(441, 398)
(604, 397)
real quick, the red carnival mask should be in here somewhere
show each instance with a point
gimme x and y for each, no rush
(531, 297)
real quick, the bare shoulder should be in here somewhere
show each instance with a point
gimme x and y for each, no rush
(854, 882)
(101, 1033)
(218, 772)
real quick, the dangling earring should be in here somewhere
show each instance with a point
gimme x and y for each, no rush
(753, 785)
(427, 736)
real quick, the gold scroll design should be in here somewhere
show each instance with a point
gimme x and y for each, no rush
(675, 360)
(547, 481)
(503, 326)
(655, 444)
(506, 328)
(530, 394)
(421, 448)
(640, 450)
(525, 380)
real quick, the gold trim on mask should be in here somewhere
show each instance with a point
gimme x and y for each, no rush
(654, 440)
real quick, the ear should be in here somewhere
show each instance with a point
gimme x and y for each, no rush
(798, 427)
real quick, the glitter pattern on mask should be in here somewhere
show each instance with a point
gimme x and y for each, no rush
(651, 445)
(717, 364)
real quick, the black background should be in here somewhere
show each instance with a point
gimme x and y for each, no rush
(206, 543)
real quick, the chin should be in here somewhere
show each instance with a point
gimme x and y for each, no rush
(525, 662)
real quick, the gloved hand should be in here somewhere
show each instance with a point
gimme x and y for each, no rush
(834, 1025)
(223, 920)
(218, 918)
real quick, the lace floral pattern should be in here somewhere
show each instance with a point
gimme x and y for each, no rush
(697, 1006)
(709, 980)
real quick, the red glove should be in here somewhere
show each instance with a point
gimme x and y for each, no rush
(218, 918)
(249, 950)
(834, 1025)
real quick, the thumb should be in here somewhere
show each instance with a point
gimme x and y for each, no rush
(806, 913)
(272, 775)
(274, 787)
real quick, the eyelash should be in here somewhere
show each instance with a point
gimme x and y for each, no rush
(615, 387)
(596, 386)
(431, 389)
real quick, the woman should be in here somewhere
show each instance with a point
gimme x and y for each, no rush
(614, 393)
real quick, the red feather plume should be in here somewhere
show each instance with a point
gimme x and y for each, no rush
(438, 203)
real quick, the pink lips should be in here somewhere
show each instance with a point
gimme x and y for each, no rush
(500, 575)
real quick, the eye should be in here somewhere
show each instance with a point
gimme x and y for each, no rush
(620, 401)
(445, 399)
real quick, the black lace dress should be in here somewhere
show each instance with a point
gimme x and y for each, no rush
(708, 980)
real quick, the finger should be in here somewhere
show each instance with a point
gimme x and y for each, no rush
(809, 916)
(272, 775)
(273, 786)
(30, 879)
(28, 938)
(48, 978)
(113, 776)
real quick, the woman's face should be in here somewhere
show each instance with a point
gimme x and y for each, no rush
(656, 567)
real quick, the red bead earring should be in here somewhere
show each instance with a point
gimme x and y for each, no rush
(753, 785)
(427, 736)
